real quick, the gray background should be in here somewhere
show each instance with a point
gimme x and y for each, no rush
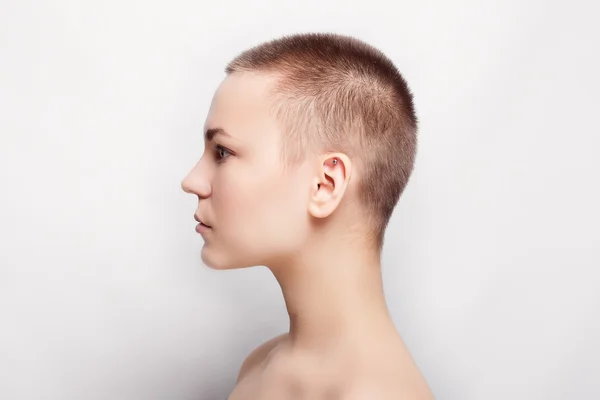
(491, 263)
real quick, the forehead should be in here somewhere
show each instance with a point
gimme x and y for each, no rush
(240, 106)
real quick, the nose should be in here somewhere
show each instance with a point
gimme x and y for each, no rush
(196, 183)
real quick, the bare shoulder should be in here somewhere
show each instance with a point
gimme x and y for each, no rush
(392, 391)
(258, 355)
(369, 392)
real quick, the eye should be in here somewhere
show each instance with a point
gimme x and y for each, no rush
(221, 153)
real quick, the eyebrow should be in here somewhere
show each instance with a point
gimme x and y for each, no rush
(212, 132)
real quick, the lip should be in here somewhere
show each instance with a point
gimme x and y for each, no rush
(201, 227)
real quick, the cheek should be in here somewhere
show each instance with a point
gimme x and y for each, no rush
(259, 209)
(240, 203)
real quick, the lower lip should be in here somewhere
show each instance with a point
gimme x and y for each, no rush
(201, 228)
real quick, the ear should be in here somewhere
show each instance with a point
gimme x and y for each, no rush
(330, 184)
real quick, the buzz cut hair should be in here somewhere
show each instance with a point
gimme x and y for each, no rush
(336, 93)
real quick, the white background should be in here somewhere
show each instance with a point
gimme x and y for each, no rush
(492, 259)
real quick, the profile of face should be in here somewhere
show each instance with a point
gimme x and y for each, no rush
(255, 209)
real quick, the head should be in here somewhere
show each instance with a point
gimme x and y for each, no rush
(308, 138)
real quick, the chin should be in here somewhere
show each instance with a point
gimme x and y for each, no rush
(220, 261)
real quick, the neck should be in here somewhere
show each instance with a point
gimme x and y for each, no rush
(334, 295)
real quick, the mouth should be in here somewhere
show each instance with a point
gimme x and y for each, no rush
(202, 224)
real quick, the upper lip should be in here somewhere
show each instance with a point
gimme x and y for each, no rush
(199, 220)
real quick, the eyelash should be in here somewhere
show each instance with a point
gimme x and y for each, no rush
(218, 149)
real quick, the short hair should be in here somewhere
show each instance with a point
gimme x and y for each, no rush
(336, 93)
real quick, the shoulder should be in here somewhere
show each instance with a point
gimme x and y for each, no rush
(258, 355)
(372, 392)
(382, 390)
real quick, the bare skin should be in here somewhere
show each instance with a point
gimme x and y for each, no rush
(342, 343)
(276, 371)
